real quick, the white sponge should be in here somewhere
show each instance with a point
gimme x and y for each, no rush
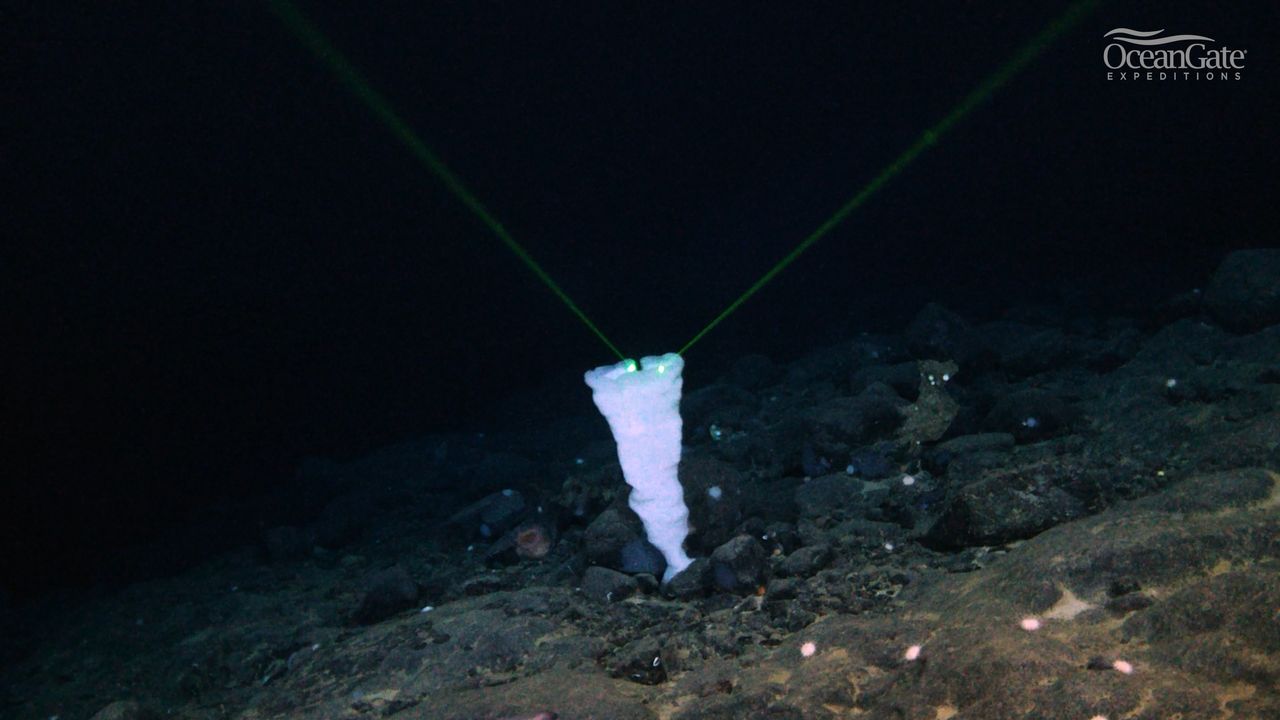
(642, 404)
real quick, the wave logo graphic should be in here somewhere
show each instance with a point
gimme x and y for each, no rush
(1152, 55)
(1148, 37)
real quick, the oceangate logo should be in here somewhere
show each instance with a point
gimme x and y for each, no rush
(1146, 55)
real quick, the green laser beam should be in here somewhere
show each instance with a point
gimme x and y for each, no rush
(347, 75)
(1028, 52)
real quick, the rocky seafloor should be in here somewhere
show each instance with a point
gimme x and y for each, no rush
(1050, 515)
